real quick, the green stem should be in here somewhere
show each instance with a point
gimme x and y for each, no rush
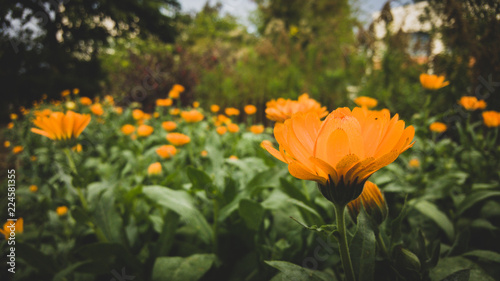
(344, 248)
(73, 169)
(381, 245)
(215, 226)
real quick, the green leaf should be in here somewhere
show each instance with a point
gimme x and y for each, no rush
(183, 204)
(191, 268)
(475, 198)
(294, 272)
(107, 217)
(35, 258)
(448, 266)
(252, 213)
(461, 275)
(363, 249)
(484, 255)
(431, 211)
(199, 179)
(60, 276)
(316, 216)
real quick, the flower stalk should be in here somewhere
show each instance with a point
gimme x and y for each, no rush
(345, 256)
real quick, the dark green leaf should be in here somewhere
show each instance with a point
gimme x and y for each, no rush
(362, 248)
(252, 213)
(461, 275)
(475, 198)
(191, 268)
(431, 211)
(297, 273)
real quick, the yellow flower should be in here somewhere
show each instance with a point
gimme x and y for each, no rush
(471, 103)
(366, 102)
(17, 226)
(144, 130)
(154, 169)
(196, 104)
(169, 126)
(433, 82)
(341, 152)
(127, 129)
(97, 109)
(156, 114)
(6, 143)
(13, 116)
(164, 102)
(214, 108)
(230, 111)
(137, 114)
(70, 105)
(257, 129)
(204, 153)
(17, 149)
(192, 116)
(233, 128)
(250, 109)
(178, 139)
(77, 148)
(76, 91)
(60, 126)
(62, 210)
(373, 202)
(166, 151)
(491, 118)
(65, 93)
(85, 101)
(33, 188)
(438, 127)
(221, 130)
(414, 163)
(281, 109)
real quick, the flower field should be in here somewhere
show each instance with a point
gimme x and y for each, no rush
(201, 192)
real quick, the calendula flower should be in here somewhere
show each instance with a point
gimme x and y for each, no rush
(62, 210)
(10, 125)
(178, 88)
(192, 116)
(65, 93)
(178, 139)
(154, 169)
(281, 109)
(222, 119)
(204, 153)
(97, 109)
(127, 129)
(257, 129)
(196, 104)
(146, 116)
(85, 101)
(17, 149)
(16, 226)
(156, 114)
(109, 100)
(137, 114)
(176, 91)
(491, 118)
(169, 126)
(373, 202)
(77, 148)
(341, 152)
(366, 102)
(33, 188)
(438, 127)
(144, 130)
(45, 112)
(231, 111)
(13, 116)
(250, 109)
(60, 126)
(432, 82)
(414, 163)
(76, 91)
(221, 130)
(233, 157)
(118, 110)
(472, 103)
(6, 143)
(164, 102)
(233, 128)
(166, 151)
(214, 108)
(175, 111)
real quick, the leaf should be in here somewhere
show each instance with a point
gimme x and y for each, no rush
(363, 249)
(431, 211)
(60, 276)
(475, 198)
(252, 213)
(183, 204)
(107, 218)
(35, 258)
(191, 268)
(294, 272)
(317, 217)
(450, 265)
(484, 255)
(461, 275)
(199, 179)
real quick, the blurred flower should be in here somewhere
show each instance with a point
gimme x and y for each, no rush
(214, 108)
(293, 30)
(127, 129)
(97, 109)
(233, 157)
(154, 169)
(144, 130)
(169, 126)
(62, 210)
(17, 149)
(10, 125)
(109, 100)
(77, 148)
(178, 139)
(45, 112)
(196, 104)
(60, 126)
(414, 163)
(156, 114)
(471, 103)
(438, 127)
(6, 143)
(65, 93)
(221, 130)
(118, 110)
(373, 202)
(44, 96)
(146, 116)
(13, 116)
(85, 101)
(33, 188)
(281, 109)
(257, 129)
(432, 82)
(70, 105)
(175, 111)
(222, 119)
(166, 151)
(230, 111)
(366, 102)
(204, 153)
(17, 226)
(176, 91)
(250, 109)
(137, 114)
(341, 152)
(178, 88)
(192, 116)
(233, 128)
(33, 158)
(491, 118)
(164, 102)
(76, 91)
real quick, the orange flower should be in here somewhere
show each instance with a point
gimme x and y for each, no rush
(176, 91)
(373, 202)
(266, 143)
(65, 93)
(109, 100)
(76, 91)
(178, 139)
(257, 129)
(16, 226)
(13, 116)
(33, 188)
(154, 169)
(178, 88)
(491, 118)
(233, 128)
(471, 103)
(221, 130)
(118, 110)
(175, 111)
(137, 114)
(341, 152)
(366, 102)
(62, 210)
(156, 114)
(85, 101)
(164, 102)
(196, 104)
(60, 126)
(481, 104)
(97, 109)
(281, 109)
(432, 82)
(166, 151)
(10, 125)
(192, 116)
(144, 130)
(169, 126)
(45, 112)
(414, 163)
(438, 127)
(204, 153)
(77, 148)
(127, 129)
(214, 108)
(250, 109)
(6, 143)
(17, 149)
(230, 111)
(233, 157)
(223, 119)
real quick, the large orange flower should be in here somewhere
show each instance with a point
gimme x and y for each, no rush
(341, 152)
(281, 109)
(178, 139)
(60, 126)
(491, 118)
(432, 82)
(192, 116)
(166, 151)
(472, 103)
